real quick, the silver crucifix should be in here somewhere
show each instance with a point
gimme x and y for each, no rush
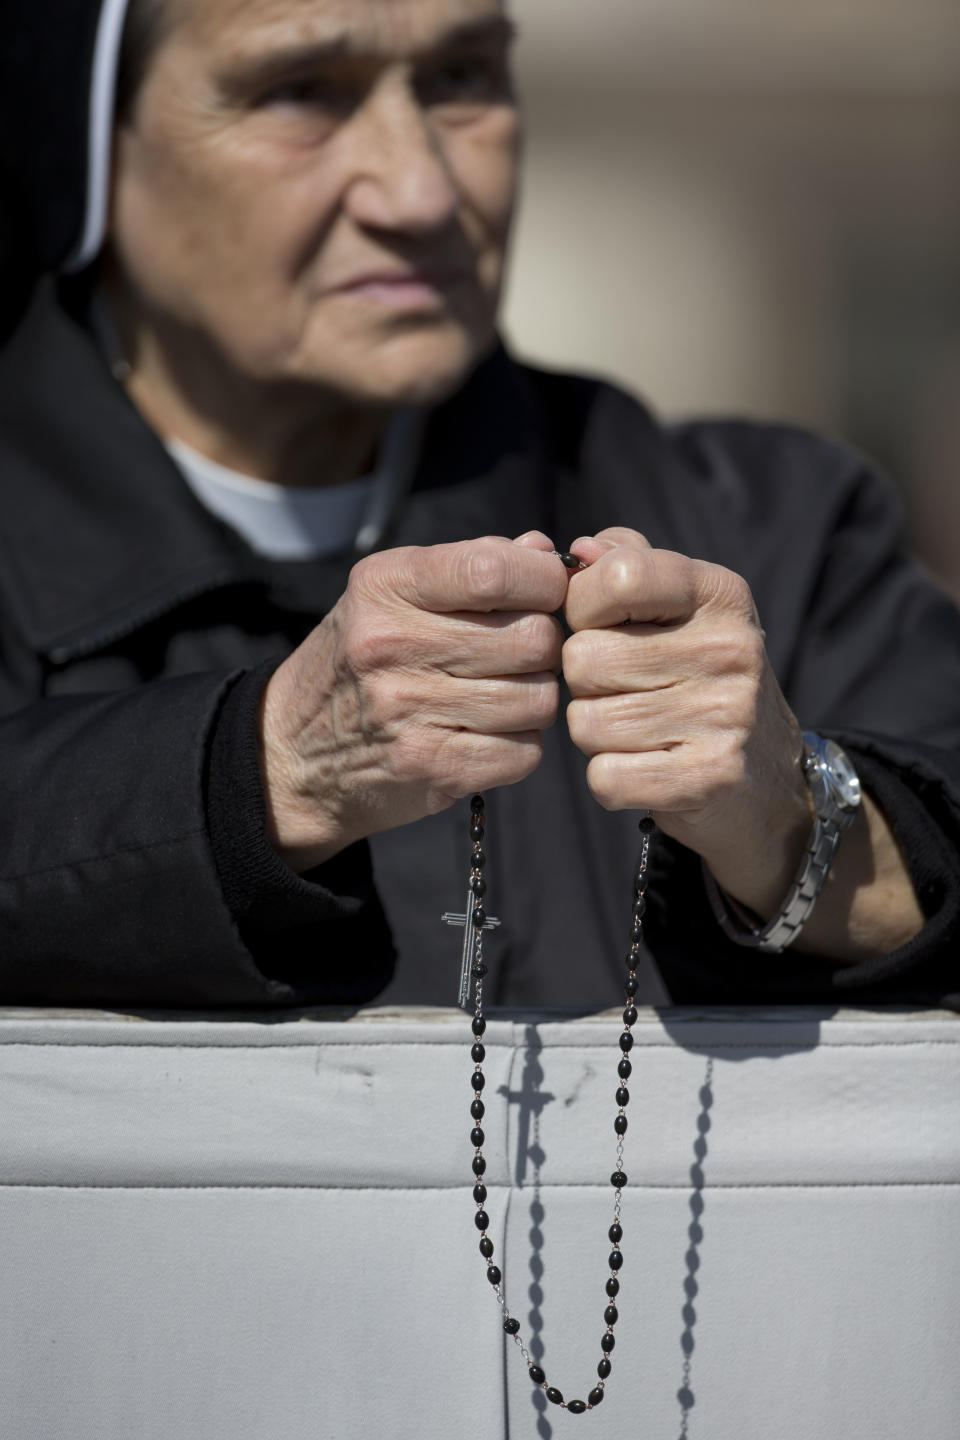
(469, 938)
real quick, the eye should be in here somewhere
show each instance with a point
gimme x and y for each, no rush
(310, 92)
(466, 78)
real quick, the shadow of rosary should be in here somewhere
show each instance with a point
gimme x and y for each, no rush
(530, 1100)
(685, 1395)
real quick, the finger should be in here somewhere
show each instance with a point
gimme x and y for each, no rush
(625, 658)
(505, 705)
(646, 586)
(471, 646)
(640, 723)
(632, 782)
(479, 575)
(536, 540)
(589, 548)
(655, 658)
(681, 782)
(504, 644)
(466, 762)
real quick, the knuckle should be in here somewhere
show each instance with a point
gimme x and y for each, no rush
(377, 573)
(624, 576)
(737, 649)
(525, 759)
(581, 658)
(536, 641)
(506, 761)
(606, 785)
(579, 725)
(482, 572)
(733, 592)
(374, 643)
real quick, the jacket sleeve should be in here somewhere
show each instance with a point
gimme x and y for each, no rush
(109, 892)
(874, 661)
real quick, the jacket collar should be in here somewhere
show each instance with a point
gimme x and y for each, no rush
(100, 534)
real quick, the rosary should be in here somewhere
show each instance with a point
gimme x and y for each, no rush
(475, 921)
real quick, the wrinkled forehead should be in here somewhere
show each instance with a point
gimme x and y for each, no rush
(357, 27)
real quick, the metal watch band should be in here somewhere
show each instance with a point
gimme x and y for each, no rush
(784, 928)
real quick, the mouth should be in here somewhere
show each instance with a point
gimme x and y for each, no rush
(408, 289)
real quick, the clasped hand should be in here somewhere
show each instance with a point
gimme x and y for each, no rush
(436, 674)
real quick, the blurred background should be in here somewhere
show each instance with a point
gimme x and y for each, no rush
(754, 207)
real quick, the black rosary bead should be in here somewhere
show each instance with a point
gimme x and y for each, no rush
(647, 825)
(568, 560)
(618, 1178)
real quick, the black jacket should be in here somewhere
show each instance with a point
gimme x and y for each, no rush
(136, 634)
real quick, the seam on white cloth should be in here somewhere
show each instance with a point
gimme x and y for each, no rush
(636, 1186)
(698, 1048)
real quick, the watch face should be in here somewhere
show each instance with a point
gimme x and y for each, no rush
(846, 783)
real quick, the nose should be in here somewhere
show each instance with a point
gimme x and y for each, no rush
(401, 177)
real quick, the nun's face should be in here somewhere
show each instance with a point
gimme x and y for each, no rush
(322, 189)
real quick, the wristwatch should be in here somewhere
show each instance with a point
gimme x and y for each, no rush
(835, 790)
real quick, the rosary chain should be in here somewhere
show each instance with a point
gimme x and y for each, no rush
(618, 1179)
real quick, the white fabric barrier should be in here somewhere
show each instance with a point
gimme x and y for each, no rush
(221, 1229)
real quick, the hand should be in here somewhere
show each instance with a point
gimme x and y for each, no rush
(433, 676)
(677, 706)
